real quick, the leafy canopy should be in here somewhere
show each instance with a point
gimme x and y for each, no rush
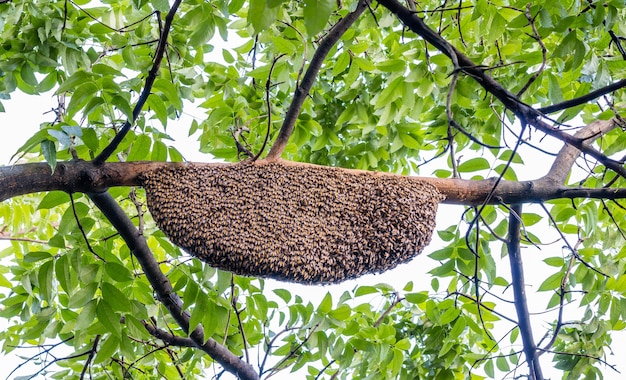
(384, 100)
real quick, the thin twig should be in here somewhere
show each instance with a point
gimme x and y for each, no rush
(82, 230)
(152, 75)
(614, 368)
(478, 302)
(268, 85)
(396, 301)
(92, 353)
(562, 293)
(233, 303)
(572, 250)
(618, 43)
(544, 51)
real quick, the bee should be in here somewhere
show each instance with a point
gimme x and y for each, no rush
(292, 222)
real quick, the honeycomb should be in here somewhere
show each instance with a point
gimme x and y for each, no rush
(292, 222)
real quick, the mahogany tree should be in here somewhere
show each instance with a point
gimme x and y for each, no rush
(466, 91)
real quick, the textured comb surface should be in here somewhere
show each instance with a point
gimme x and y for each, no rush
(306, 224)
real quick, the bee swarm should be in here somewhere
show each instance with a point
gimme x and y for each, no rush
(291, 222)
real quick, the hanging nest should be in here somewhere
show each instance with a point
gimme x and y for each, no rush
(292, 222)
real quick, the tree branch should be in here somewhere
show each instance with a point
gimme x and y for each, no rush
(568, 154)
(86, 177)
(92, 354)
(302, 91)
(523, 111)
(521, 305)
(167, 337)
(163, 288)
(585, 98)
(152, 75)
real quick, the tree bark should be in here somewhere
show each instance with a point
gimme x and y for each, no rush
(86, 177)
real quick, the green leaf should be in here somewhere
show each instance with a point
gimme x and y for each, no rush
(473, 164)
(108, 318)
(47, 83)
(365, 290)
(203, 31)
(114, 297)
(159, 151)
(326, 304)
(156, 105)
(409, 141)
(74, 80)
(316, 15)
(32, 257)
(343, 61)
(530, 219)
(32, 142)
(49, 151)
(81, 96)
(392, 65)
(53, 199)
(446, 269)
(458, 328)
(107, 349)
(261, 15)
(160, 5)
(416, 298)
(92, 104)
(44, 278)
(554, 90)
(63, 273)
(284, 294)
(4, 282)
(555, 261)
(122, 104)
(199, 311)
(497, 26)
(390, 93)
(341, 313)
(235, 5)
(551, 283)
(86, 316)
(174, 154)
(90, 138)
(140, 148)
(83, 295)
(170, 91)
(488, 367)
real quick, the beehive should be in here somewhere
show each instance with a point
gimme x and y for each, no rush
(292, 222)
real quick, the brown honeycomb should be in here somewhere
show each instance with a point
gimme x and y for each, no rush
(292, 222)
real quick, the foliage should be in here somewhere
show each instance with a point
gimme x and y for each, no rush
(383, 100)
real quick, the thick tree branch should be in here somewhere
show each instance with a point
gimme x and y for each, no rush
(168, 338)
(564, 161)
(86, 177)
(523, 111)
(152, 75)
(163, 288)
(521, 304)
(302, 91)
(71, 177)
(585, 98)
